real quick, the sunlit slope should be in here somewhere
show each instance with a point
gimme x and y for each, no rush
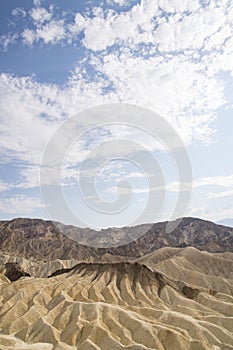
(126, 305)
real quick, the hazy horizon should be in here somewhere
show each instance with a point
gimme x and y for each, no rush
(225, 222)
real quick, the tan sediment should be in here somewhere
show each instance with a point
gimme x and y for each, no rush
(170, 299)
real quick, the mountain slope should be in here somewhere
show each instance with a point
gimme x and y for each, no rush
(39, 239)
(201, 234)
(42, 240)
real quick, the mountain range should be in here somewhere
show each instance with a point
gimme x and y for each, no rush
(39, 239)
(162, 291)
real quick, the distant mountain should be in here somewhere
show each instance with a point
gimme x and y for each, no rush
(45, 240)
(226, 222)
(37, 239)
(40, 240)
(191, 232)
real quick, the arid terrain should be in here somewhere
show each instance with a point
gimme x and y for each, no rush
(162, 291)
(39, 239)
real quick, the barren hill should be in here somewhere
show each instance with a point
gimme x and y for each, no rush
(158, 292)
(170, 299)
(39, 239)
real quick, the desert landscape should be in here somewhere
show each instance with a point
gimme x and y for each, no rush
(149, 294)
(116, 175)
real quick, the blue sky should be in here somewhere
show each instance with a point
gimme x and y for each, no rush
(58, 59)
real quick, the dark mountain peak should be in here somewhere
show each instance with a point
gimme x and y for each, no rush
(40, 239)
(194, 232)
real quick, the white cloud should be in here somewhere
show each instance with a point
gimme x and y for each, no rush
(29, 37)
(4, 186)
(94, 38)
(52, 32)
(224, 182)
(118, 2)
(19, 205)
(138, 25)
(78, 25)
(190, 32)
(212, 197)
(179, 5)
(40, 15)
(181, 84)
(176, 88)
(45, 27)
(30, 177)
(24, 129)
(213, 214)
(101, 33)
(19, 12)
(37, 2)
(188, 25)
(31, 112)
(34, 111)
(227, 193)
(7, 39)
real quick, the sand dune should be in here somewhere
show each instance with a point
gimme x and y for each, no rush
(171, 299)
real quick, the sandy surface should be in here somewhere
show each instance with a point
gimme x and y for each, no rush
(169, 300)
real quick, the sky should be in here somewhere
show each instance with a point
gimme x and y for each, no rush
(60, 59)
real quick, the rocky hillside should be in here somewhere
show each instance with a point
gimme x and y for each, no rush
(37, 239)
(191, 232)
